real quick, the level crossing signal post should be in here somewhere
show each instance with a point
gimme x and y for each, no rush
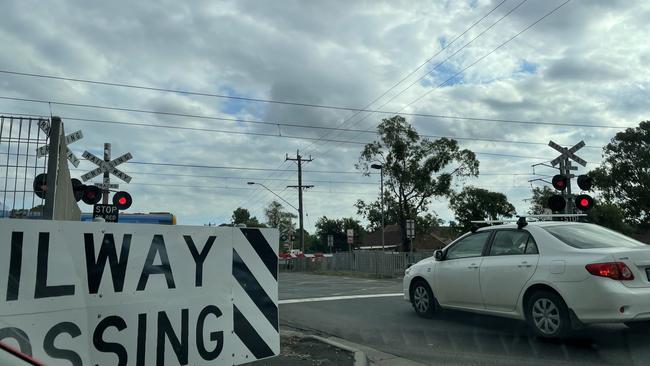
(100, 191)
(567, 201)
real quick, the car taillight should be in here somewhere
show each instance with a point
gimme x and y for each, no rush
(614, 270)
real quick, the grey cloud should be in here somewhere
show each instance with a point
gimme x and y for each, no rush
(583, 70)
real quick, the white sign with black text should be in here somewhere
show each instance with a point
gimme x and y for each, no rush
(127, 294)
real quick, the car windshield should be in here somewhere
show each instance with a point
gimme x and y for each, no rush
(585, 236)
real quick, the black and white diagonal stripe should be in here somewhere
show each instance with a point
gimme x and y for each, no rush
(255, 293)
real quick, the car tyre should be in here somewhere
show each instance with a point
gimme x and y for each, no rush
(639, 326)
(548, 315)
(422, 299)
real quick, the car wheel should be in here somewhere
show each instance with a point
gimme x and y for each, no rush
(641, 325)
(423, 301)
(548, 315)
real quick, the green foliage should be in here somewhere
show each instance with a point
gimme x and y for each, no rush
(624, 176)
(610, 216)
(243, 216)
(276, 216)
(415, 168)
(372, 212)
(338, 229)
(479, 204)
(539, 202)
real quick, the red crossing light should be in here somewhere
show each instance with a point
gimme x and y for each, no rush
(556, 203)
(91, 195)
(560, 182)
(122, 200)
(584, 202)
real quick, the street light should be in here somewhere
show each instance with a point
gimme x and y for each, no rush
(278, 196)
(381, 194)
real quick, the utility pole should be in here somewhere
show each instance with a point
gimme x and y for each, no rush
(299, 159)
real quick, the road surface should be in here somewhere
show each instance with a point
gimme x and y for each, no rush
(390, 325)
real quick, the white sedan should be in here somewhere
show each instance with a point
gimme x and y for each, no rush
(554, 275)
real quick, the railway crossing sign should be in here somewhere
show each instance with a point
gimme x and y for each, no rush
(110, 213)
(106, 167)
(567, 153)
(44, 125)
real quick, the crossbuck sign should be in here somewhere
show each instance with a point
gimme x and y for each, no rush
(567, 153)
(44, 125)
(106, 167)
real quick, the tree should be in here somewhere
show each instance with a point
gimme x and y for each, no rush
(539, 202)
(479, 204)
(276, 216)
(338, 229)
(623, 178)
(243, 216)
(610, 216)
(416, 169)
(372, 212)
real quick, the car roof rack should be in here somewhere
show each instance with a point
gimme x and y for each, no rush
(522, 220)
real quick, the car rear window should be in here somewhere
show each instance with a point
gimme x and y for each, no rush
(586, 236)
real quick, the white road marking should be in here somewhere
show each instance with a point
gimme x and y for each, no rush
(334, 298)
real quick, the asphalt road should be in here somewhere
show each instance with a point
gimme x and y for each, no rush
(389, 324)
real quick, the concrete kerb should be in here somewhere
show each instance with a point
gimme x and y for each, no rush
(360, 358)
(363, 356)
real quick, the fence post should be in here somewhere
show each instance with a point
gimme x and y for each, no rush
(52, 167)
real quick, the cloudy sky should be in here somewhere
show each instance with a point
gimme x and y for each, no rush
(584, 64)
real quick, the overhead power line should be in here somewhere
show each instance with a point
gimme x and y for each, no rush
(199, 166)
(476, 62)
(434, 68)
(315, 191)
(424, 115)
(232, 177)
(445, 47)
(489, 53)
(199, 129)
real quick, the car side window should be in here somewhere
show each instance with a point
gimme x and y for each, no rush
(471, 246)
(511, 242)
(531, 246)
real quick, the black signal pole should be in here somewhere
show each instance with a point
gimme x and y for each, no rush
(299, 159)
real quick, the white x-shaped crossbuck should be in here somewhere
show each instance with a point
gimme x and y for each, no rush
(44, 125)
(106, 166)
(568, 153)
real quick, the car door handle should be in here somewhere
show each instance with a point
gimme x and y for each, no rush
(524, 264)
(473, 266)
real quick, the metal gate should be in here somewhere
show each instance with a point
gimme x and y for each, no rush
(19, 165)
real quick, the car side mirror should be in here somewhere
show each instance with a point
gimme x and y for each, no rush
(438, 255)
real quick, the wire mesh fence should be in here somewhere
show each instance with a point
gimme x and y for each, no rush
(19, 165)
(386, 264)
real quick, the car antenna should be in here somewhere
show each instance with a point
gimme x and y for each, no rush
(521, 222)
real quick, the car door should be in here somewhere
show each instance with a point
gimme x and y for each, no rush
(510, 262)
(456, 279)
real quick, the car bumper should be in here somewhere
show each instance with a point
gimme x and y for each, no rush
(406, 284)
(603, 300)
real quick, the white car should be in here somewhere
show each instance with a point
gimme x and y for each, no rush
(554, 275)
